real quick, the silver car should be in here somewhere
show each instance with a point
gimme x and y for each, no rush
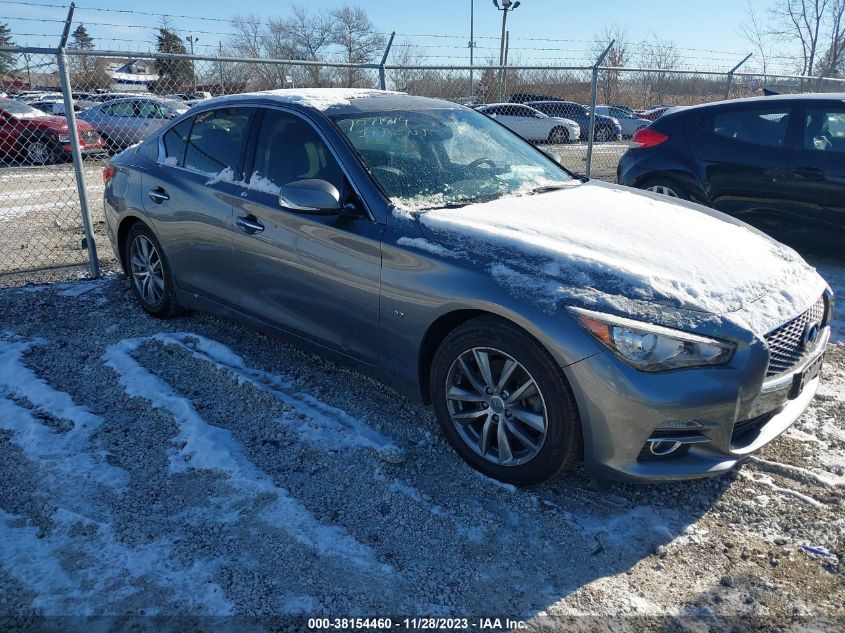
(628, 120)
(124, 122)
(543, 317)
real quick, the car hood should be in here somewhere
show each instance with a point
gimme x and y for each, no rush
(617, 249)
(55, 123)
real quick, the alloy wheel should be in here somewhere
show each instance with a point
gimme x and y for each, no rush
(147, 272)
(558, 137)
(496, 406)
(38, 152)
(602, 135)
(663, 190)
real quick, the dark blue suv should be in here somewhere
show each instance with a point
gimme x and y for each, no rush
(775, 162)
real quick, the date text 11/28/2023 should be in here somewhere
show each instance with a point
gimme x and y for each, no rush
(422, 623)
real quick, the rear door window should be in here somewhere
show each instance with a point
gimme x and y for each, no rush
(767, 126)
(175, 141)
(824, 129)
(217, 141)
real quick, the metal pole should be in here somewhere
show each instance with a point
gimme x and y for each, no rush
(220, 66)
(591, 132)
(471, 47)
(75, 152)
(820, 82)
(191, 39)
(731, 76)
(504, 66)
(382, 79)
(505, 8)
(26, 57)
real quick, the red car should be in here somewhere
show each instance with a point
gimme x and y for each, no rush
(30, 135)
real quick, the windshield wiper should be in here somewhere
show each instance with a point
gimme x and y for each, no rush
(547, 188)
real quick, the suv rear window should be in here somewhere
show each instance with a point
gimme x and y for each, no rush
(760, 126)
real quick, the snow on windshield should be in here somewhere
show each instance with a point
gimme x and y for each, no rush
(436, 158)
(20, 110)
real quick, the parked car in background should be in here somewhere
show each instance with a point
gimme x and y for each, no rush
(777, 163)
(533, 125)
(629, 122)
(543, 317)
(124, 122)
(30, 135)
(607, 128)
(55, 106)
(652, 114)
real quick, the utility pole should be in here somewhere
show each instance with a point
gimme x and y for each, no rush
(191, 39)
(220, 66)
(507, 5)
(27, 57)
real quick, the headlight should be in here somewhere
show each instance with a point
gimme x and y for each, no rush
(615, 120)
(652, 347)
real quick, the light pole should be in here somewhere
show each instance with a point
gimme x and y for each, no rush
(471, 46)
(191, 39)
(507, 5)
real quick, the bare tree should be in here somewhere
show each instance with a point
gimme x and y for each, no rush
(617, 57)
(833, 61)
(753, 32)
(802, 21)
(309, 36)
(659, 55)
(357, 38)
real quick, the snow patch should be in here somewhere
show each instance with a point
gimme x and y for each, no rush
(424, 245)
(322, 98)
(203, 446)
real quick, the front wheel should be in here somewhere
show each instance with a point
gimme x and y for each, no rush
(559, 136)
(149, 274)
(40, 152)
(602, 135)
(504, 404)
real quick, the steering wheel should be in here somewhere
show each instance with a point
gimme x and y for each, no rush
(478, 162)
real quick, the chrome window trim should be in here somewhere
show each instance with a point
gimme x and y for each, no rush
(267, 106)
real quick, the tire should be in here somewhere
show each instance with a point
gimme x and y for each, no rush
(603, 134)
(545, 415)
(666, 187)
(145, 263)
(559, 136)
(39, 151)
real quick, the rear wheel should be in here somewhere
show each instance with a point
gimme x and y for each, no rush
(559, 136)
(665, 187)
(504, 404)
(603, 134)
(149, 274)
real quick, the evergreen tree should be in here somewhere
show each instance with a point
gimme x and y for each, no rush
(172, 73)
(7, 60)
(81, 39)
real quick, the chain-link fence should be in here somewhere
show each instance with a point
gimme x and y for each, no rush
(52, 187)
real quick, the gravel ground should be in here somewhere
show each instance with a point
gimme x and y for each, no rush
(196, 467)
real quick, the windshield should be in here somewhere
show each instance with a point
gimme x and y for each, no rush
(20, 110)
(446, 158)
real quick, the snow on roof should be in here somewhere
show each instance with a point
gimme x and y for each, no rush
(322, 98)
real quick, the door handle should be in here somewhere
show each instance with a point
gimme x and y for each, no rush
(809, 173)
(158, 195)
(249, 225)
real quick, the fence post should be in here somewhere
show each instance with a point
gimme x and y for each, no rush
(820, 82)
(731, 76)
(591, 133)
(76, 153)
(382, 79)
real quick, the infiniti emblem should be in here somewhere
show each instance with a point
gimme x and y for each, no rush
(811, 334)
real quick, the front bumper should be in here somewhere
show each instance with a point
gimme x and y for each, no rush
(736, 411)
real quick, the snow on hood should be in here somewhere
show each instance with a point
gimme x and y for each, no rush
(603, 244)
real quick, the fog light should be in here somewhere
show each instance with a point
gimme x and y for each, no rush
(662, 448)
(679, 425)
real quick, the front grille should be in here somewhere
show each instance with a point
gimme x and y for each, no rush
(786, 345)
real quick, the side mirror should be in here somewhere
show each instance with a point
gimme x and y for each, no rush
(310, 196)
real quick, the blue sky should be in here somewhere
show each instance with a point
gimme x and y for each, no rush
(706, 32)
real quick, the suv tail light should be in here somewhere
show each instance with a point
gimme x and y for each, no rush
(647, 137)
(108, 172)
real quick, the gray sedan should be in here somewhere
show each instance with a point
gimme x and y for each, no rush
(543, 317)
(628, 121)
(124, 122)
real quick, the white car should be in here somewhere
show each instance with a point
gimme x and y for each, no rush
(533, 125)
